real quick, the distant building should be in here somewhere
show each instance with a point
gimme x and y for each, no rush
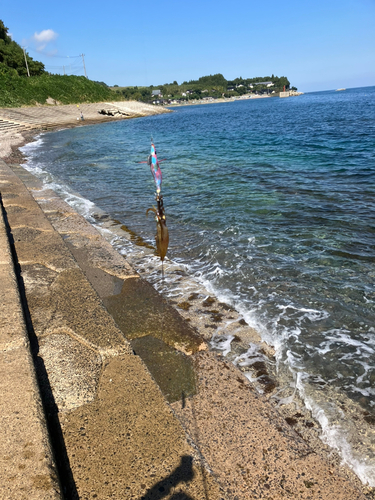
(269, 84)
(156, 93)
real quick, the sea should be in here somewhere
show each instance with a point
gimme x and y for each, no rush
(270, 205)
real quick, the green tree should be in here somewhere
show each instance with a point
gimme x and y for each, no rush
(12, 58)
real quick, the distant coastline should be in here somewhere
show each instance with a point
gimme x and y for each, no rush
(245, 97)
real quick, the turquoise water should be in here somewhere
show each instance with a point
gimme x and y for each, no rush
(271, 202)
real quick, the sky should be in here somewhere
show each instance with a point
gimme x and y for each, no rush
(318, 45)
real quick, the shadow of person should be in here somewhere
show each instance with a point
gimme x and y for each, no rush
(181, 496)
(183, 473)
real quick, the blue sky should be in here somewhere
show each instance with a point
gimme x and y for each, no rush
(318, 45)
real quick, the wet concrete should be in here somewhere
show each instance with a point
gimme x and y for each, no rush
(140, 310)
(156, 331)
(172, 370)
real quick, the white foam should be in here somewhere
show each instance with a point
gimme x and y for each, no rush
(334, 436)
(311, 314)
(31, 146)
(251, 356)
(222, 343)
(287, 400)
(82, 205)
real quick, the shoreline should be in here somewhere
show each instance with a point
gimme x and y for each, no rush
(187, 311)
(18, 123)
(245, 97)
(217, 101)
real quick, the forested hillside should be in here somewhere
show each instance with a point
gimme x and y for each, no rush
(12, 59)
(18, 89)
(212, 86)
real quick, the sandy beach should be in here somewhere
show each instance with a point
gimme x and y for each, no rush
(156, 412)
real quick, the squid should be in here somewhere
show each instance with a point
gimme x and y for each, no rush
(162, 235)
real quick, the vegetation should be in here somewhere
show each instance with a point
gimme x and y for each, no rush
(206, 87)
(17, 89)
(12, 58)
(21, 91)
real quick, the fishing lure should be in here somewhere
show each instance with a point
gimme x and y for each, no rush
(155, 168)
(162, 235)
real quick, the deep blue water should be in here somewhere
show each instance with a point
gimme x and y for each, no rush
(271, 202)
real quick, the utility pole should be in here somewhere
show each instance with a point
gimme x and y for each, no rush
(84, 67)
(27, 67)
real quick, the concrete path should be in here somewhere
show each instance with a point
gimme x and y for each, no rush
(27, 469)
(113, 433)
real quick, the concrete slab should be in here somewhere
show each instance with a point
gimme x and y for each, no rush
(132, 451)
(27, 468)
(249, 446)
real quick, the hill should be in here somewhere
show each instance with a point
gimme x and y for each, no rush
(22, 91)
(207, 87)
(17, 89)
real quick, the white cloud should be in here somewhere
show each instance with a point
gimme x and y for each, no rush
(43, 38)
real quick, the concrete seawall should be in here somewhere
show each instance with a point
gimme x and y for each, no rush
(16, 122)
(27, 468)
(107, 392)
